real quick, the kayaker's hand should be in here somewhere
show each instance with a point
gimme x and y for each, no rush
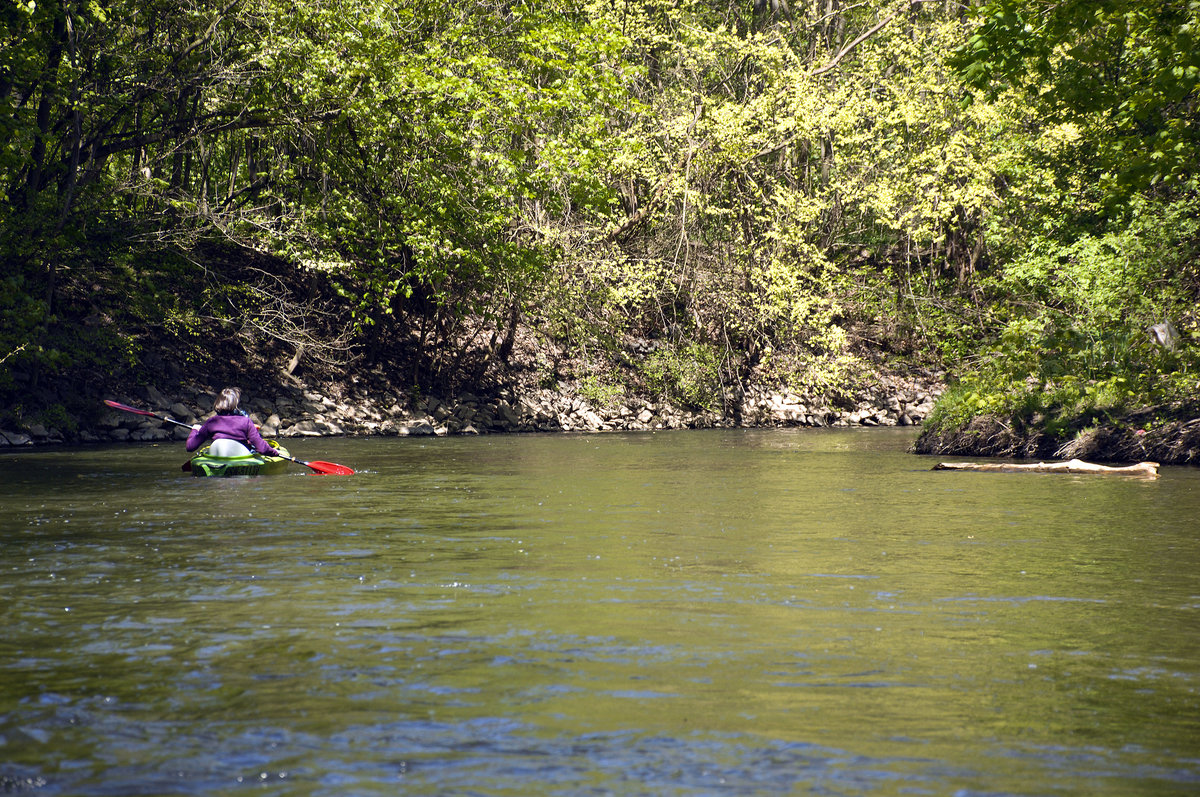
(195, 427)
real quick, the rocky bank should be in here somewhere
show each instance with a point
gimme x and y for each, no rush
(299, 411)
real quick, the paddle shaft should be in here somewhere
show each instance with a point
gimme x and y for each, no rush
(323, 467)
(116, 405)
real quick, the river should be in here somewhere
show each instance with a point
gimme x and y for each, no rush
(683, 613)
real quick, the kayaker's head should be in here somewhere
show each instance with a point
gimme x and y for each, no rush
(227, 402)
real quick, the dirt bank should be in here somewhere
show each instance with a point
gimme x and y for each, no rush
(1169, 435)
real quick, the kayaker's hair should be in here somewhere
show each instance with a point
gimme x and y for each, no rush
(227, 402)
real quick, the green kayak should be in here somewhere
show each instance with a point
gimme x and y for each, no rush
(253, 464)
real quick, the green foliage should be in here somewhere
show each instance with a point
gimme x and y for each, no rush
(56, 416)
(461, 134)
(754, 191)
(1079, 350)
(600, 391)
(1127, 71)
(688, 375)
(1135, 274)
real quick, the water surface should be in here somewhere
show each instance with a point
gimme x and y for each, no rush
(738, 612)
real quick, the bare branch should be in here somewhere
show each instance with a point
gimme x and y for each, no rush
(864, 36)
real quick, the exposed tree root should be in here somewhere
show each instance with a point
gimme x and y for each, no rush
(1170, 435)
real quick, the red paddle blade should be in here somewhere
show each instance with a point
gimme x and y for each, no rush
(331, 468)
(116, 405)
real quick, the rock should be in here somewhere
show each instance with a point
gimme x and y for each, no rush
(591, 420)
(507, 413)
(157, 399)
(302, 429)
(533, 409)
(418, 428)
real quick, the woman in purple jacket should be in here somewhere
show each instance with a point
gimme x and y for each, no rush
(232, 432)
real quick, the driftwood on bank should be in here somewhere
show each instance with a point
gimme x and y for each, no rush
(1144, 470)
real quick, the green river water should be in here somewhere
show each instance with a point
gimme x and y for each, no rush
(684, 613)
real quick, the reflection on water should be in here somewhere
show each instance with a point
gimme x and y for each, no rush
(683, 613)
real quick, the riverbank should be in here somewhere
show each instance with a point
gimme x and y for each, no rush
(1168, 435)
(288, 411)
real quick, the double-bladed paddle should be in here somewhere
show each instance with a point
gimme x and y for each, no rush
(331, 468)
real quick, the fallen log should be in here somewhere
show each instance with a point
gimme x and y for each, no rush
(1144, 470)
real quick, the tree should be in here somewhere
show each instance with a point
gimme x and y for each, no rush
(768, 151)
(1125, 71)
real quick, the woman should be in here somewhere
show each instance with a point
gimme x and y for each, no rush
(232, 432)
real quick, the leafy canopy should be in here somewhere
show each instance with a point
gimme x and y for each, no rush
(1127, 71)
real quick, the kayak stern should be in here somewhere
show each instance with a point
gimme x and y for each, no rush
(253, 464)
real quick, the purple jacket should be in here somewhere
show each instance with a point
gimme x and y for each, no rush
(229, 427)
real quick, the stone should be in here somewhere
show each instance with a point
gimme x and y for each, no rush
(418, 428)
(592, 420)
(303, 429)
(532, 409)
(156, 398)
